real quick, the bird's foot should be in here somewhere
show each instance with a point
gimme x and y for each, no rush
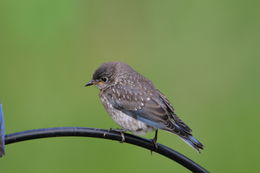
(121, 131)
(154, 144)
(154, 140)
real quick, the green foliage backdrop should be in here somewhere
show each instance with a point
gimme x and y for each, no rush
(204, 55)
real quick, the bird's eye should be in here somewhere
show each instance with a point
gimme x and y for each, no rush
(104, 79)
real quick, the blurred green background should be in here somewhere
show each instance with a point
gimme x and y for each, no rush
(204, 55)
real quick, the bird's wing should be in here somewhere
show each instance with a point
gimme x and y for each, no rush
(172, 113)
(147, 105)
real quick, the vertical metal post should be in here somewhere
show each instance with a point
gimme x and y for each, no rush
(2, 132)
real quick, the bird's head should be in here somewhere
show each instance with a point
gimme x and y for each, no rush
(108, 74)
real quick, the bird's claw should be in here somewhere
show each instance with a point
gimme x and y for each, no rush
(121, 131)
(123, 137)
(154, 144)
(154, 141)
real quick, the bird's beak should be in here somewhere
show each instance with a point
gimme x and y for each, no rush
(89, 83)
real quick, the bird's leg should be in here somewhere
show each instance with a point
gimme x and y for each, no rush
(121, 131)
(155, 139)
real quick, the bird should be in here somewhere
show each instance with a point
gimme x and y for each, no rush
(136, 105)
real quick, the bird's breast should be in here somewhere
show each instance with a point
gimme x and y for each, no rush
(123, 120)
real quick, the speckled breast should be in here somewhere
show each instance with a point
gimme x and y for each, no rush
(123, 120)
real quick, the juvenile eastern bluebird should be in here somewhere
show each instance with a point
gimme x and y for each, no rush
(135, 104)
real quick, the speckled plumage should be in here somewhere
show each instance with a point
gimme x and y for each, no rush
(123, 120)
(135, 104)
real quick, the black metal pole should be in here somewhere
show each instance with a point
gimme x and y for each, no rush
(105, 134)
(2, 133)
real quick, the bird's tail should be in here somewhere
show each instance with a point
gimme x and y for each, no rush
(193, 142)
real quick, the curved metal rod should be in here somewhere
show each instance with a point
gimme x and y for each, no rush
(105, 134)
